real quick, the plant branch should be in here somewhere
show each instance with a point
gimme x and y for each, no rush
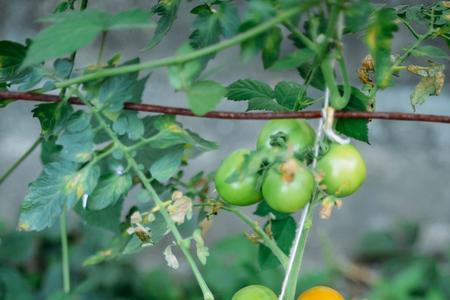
(270, 243)
(17, 163)
(65, 251)
(182, 243)
(311, 114)
(178, 59)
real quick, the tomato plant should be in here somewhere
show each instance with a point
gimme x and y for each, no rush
(93, 157)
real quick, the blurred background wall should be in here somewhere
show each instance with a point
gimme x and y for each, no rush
(408, 163)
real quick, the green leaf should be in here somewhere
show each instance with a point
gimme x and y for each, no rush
(271, 47)
(379, 40)
(63, 67)
(182, 76)
(52, 117)
(168, 165)
(109, 190)
(355, 128)
(283, 232)
(204, 96)
(60, 184)
(294, 60)
(287, 94)
(430, 52)
(107, 218)
(207, 29)
(13, 285)
(357, 14)
(77, 139)
(116, 90)
(265, 104)
(264, 210)
(251, 47)
(245, 89)
(167, 10)
(73, 30)
(129, 123)
(11, 57)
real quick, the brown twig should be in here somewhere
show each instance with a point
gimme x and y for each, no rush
(312, 114)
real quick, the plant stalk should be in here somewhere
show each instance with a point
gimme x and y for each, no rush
(65, 251)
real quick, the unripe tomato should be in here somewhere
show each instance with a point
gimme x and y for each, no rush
(321, 293)
(241, 191)
(343, 169)
(298, 135)
(255, 292)
(287, 187)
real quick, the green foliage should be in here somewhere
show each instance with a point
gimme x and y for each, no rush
(11, 57)
(167, 10)
(203, 96)
(379, 40)
(74, 30)
(110, 189)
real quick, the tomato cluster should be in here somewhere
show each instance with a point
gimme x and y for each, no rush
(278, 171)
(259, 292)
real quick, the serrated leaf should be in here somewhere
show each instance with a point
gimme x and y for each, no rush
(245, 89)
(265, 104)
(167, 10)
(355, 128)
(203, 96)
(75, 29)
(77, 139)
(109, 190)
(60, 184)
(168, 165)
(430, 52)
(52, 116)
(107, 218)
(182, 76)
(129, 123)
(287, 94)
(379, 40)
(12, 55)
(283, 232)
(294, 60)
(271, 47)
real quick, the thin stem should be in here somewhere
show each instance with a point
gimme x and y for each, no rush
(182, 243)
(298, 34)
(65, 251)
(270, 243)
(17, 163)
(178, 59)
(410, 28)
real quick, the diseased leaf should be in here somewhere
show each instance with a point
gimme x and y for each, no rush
(245, 89)
(429, 85)
(271, 47)
(168, 165)
(171, 259)
(73, 30)
(109, 190)
(202, 250)
(294, 60)
(379, 40)
(60, 184)
(203, 96)
(77, 139)
(283, 232)
(167, 10)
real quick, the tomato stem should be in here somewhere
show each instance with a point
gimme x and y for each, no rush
(65, 251)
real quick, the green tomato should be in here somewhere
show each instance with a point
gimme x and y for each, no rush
(343, 170)
(288, 187)
(297, 135)
(255, 292)
(242, 190)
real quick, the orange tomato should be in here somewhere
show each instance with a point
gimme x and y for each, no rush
(321, 293)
